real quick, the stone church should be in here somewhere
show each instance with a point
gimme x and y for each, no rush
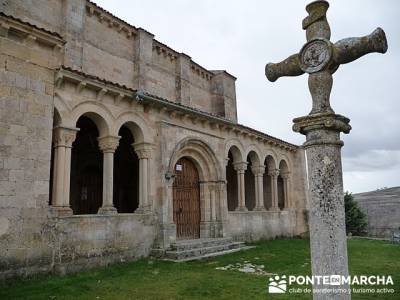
(114, 146)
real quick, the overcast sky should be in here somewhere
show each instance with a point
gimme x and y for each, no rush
(242, 36)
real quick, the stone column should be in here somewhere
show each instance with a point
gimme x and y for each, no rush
(63, 138)
(274, 189)
(213, 207)
(328, 240)
(286, 193)
(143, 151)
(223, 208)
(240, 168)
(108, 145)
(258, 172)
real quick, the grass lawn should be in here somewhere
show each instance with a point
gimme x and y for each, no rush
(156, 279)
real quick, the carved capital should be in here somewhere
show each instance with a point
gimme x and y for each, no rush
(285, 175)
(143, 150)
(322, 121)
(274, 173)
(108, 144)
(64, 136)
(258, 170)
(240, 166)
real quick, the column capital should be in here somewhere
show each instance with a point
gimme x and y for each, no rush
(258, 170)
(274, 173)
(285, 175)
(240, 166)
(143, 149)
(108, 144)
(64, 136)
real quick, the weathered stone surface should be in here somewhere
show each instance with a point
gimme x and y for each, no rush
(382, 208)
(322, 127)
(38, 96)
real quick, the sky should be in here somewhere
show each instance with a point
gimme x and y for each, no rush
(242, 36)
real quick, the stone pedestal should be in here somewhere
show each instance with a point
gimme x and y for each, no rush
(326, 216)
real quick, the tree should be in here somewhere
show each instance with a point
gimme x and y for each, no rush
(356, 220)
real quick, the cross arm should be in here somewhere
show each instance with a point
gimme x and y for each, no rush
(350, 49)
(288, 67)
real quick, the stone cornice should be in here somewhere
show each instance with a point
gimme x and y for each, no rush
(30, 32)
(173, 109)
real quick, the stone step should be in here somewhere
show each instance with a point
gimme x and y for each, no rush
(183, 245)
(201, 251)
(210, 255)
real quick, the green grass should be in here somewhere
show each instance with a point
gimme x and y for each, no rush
(156, 279)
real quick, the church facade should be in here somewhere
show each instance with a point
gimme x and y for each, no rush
(113, 144)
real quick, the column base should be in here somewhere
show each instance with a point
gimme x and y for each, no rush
(241, 208)
(62, 211)
(143, 210)
(274, 209)
(107, 210)
(259, 208)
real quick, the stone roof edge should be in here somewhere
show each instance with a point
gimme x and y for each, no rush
(152, 99)
(41, 29)
(157, 41)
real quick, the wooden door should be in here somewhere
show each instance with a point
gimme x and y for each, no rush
(186, 195)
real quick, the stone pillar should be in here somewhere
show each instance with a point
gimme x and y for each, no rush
(274, 189)
(108, 145)
(63, 138)
(143, 151)
(223, 208)
(258, 172)
(213, 207)
(240, 168)
(286, 190)
(326, 214)
(143, 57)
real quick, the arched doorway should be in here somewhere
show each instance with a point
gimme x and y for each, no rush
(186, 200)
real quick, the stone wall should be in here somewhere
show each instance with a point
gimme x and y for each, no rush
(38, 97)
(100, 44)
(254, 226)
(382, 208)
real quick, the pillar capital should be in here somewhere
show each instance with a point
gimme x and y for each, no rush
(64, 136)
(108, 144)
(143, 150)
(240, 166)
(285, 175)
(258, 170)
(274, 173)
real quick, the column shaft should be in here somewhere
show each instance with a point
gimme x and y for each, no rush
(274, 189)
(108, 145)
(58, 201)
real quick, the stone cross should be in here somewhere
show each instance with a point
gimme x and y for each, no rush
(320, 58)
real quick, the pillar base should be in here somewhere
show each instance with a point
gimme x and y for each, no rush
(107, 210)
(241, 208)
(259, 208)
(62, 211)
(274, 209)
(143, 210)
